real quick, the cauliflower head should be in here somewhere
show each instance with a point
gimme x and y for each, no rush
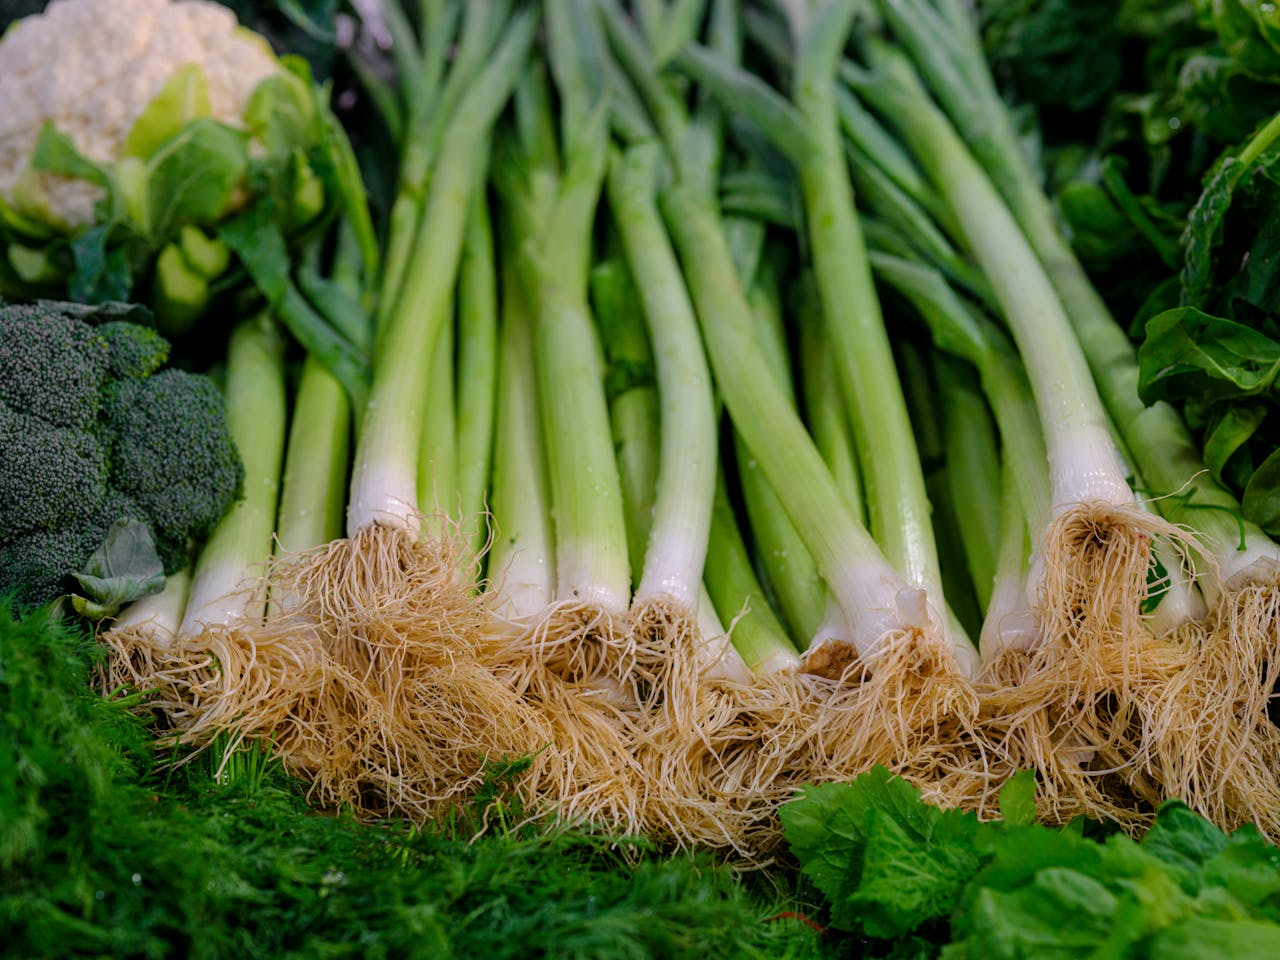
(92, 67)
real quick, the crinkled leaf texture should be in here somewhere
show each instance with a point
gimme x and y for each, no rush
(887, 862)
(942, 883)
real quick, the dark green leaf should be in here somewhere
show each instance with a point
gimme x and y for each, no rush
(1261, 500)
(907, 878)
(886, 860)
(1188, 353)
(102, 269)
(1229, 433)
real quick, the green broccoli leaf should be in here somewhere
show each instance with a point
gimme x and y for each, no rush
(1189, 353)
(124, 568)
(102, 312)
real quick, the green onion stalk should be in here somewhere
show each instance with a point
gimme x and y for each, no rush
(215, 675)
(226, 583)
(680, 543)
(942, 40)
(384, 486)
(811, 725)
(477, 359)
(788, 571)
(521, 563)
(670, 600)
(1096, 550)
(1139, 702)
(731, 585)
(1220, 743)
(829, 425)
(435, 71)
(409, 709)
(963, 330)
(551, 181)
(808, 131)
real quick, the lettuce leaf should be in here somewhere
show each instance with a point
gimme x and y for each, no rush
(923, 881)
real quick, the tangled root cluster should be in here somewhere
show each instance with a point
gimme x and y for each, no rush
(390, 685)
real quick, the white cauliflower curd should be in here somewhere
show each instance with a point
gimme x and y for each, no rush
(92, 67)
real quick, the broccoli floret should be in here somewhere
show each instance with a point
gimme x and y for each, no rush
(67, 466)
(172, 454)
(35, 567)
(51, 365)
(91, 436)
(136, 351)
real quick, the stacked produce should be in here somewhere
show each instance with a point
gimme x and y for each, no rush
(717, 404)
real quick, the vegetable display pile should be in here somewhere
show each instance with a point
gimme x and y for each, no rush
(682, 406)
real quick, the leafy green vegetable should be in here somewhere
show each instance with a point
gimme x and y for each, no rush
(1188, 353)
(892, 866)
(886, 862)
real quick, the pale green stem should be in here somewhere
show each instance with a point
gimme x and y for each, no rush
(222, 587)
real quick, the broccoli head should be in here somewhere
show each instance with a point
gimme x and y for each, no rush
(52, 365)
(94, 432)
(172, 455)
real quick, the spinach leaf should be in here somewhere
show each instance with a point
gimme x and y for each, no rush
(1188, 353)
